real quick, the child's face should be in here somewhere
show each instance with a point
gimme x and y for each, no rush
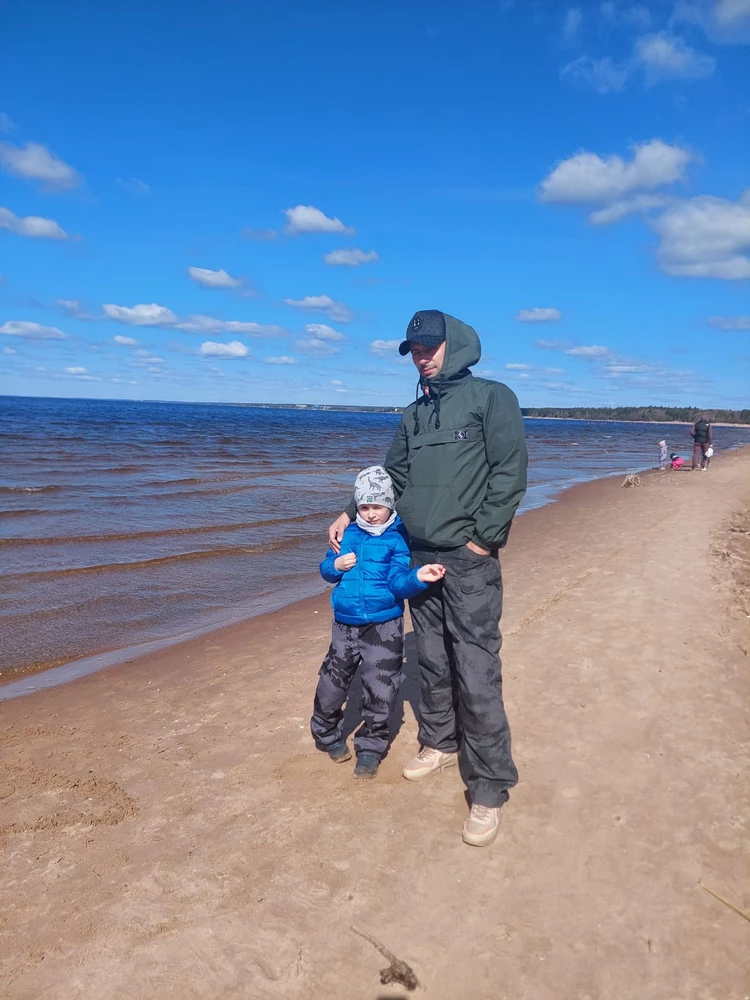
(374, 513)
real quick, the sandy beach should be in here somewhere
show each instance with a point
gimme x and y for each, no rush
(169, 831)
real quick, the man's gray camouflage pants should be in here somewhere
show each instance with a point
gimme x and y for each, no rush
(456, 625)
(379, 648)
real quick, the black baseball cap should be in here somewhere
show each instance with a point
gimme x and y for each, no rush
(425, 327)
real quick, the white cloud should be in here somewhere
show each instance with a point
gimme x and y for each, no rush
(383, 348)
(705, 237)
(604, 75)
(145, 358)
(618, 210)
(142, 314)
(213, 279)
(316, 346)
(6, 125)
(730, 322)
(31, 331)
(74, 308)
(308, 219)
(125, 341)
(663, 57)
(724, 21)
(80, 374)
(518, 368)
(350, 258)
(538, 315)
(637, 16)
(656, 58)
(337, 311)
(35, 162)
(588, 177)
(9, 350)
(33, 226)
(550, 345)
(135, 185)
(323, 332)
(209, 324)
(728, 12)
(160, 316)
(618, 369)
(587, 351)
(234, 349)
(572, 25)
(264, 235)
(283, 359)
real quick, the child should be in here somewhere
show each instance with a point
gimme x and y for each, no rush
(373, 577)
(662, 454)
(677, 462)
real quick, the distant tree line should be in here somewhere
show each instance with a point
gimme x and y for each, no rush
(683, 414)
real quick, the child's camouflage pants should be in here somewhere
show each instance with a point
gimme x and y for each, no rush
(379, 649)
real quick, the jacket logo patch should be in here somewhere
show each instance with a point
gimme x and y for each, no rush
(460, 435)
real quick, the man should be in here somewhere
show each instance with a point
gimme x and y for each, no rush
(458, 465)
(703, 438)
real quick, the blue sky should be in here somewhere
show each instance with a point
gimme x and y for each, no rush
(247, 201)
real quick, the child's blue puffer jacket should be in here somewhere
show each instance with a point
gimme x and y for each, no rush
(375, 588)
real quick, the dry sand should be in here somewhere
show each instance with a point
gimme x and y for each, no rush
(169, 832)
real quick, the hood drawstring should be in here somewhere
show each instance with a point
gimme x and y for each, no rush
(424, 393)
(437, 402)
(416, 408)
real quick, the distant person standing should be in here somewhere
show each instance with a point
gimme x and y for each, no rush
(703, 439)
(662, 454)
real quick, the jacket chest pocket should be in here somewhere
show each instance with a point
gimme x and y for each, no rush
(437, 458)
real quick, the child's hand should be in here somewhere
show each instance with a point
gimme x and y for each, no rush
(431, 573)
(344, 563)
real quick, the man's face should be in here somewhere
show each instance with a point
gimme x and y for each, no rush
(428, 360)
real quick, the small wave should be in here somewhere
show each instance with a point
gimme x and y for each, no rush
(233, 550)
(19, 513)
(29, 489)
(165, 533)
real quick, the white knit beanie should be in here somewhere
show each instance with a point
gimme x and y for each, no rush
(373, 485)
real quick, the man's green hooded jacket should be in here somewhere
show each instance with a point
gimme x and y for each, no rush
(458, 459)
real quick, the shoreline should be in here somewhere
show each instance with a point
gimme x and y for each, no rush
(26, 681)
(179, 827)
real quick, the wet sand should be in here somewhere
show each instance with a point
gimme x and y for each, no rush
(168, 830)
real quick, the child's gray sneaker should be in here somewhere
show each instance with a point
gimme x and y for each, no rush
(367, 764)
(339, 752)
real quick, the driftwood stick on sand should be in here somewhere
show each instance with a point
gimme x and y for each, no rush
(726, 902)
(398, 971)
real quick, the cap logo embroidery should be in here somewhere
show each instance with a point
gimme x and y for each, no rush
(416, 322)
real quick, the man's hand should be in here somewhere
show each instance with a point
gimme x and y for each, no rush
(431, 573)
(344, 563)
(477, 549)
(336, 532)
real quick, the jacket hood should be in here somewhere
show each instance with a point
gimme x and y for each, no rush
(462, 347)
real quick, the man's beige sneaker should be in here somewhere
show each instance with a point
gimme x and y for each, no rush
(428, 761)
(481, 828)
